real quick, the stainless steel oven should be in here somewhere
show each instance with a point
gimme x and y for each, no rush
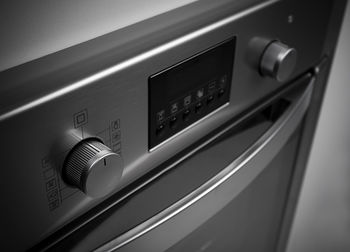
(187, 131)
(227, 193)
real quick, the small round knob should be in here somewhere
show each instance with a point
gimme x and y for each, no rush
(93, 168)
(278, 61)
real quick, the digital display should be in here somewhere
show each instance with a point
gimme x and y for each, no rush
(189, 90)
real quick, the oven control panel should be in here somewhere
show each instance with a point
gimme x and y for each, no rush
(184, 93)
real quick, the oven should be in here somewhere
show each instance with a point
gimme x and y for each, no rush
(187, 131)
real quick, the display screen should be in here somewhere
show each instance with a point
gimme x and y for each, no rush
(189, 90)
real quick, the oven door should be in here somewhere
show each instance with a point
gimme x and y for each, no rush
(226, 193)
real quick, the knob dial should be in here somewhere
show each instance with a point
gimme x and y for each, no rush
(93, 168)
(278, 61)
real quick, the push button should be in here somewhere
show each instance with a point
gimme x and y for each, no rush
(221, 92)
(173, 122)
(186, 115)
(211, 86)
(187, 100)
(200, 93)
(174, 108)
(210, 99)
(160, 115)
(198, 108)
(160, 130)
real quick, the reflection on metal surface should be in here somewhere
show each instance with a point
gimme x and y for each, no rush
(61, 24)
(132, 61)
(283, 127)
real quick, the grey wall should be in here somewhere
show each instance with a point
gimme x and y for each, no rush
(322, 221)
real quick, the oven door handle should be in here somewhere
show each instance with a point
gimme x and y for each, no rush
(178, 220)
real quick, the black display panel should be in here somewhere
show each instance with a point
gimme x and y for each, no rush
(191, 89)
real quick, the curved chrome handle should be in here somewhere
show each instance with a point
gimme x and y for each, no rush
(194, 209)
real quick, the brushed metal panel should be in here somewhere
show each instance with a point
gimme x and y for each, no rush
(107, 78)
(37, 28)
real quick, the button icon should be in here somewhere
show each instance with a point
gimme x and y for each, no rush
(53, 195)
(211, 86)
(117, 148)
(45, 162)
(51, 184)
(173, 122)
(161, 115)
(221, 92)
(80, 118)
(160, 130)
(49, 173)
(174, 108)
(223, 80)
(116, 136)
(187, 100)
(186, 115)
(53, 205)
(200, 93)
(115, 125)
(198, 108)
(210, 99)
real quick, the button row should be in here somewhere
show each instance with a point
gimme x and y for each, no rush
(215, 87)
(186, 114)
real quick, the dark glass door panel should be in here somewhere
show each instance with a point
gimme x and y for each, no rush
(251, 221)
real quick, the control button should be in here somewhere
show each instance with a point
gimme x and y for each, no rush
(198, 108)
(186, 115)
(173, 122)
(210, 99)
(200, 93)
(211, 86)
(160, 129)
(174, 108)
(93, 168)
(221, 92)
(223, 80)
(160, 115)
(187, 100)
(278, 61)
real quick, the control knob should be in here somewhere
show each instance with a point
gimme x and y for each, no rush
(278, 61)
(93, 168)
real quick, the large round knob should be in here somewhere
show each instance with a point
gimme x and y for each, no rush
(278, 61)
(93, 168)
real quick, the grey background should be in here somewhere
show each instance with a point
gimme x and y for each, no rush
(322, 221)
